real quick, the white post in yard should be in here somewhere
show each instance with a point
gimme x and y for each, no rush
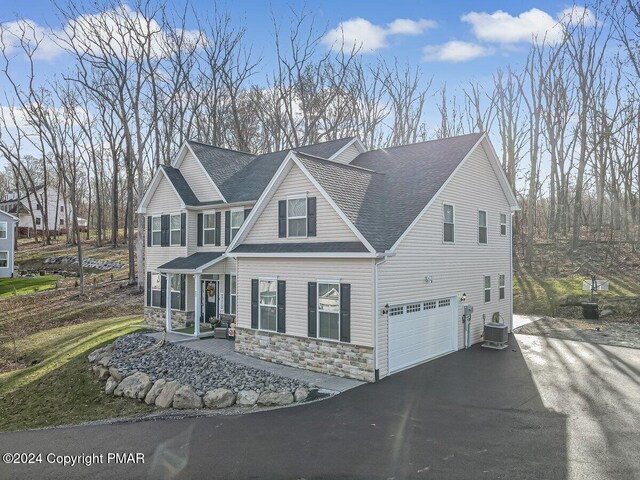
(196, 320)
(168, 303)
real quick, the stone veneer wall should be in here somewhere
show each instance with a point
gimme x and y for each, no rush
(156, 317)
(333, 358)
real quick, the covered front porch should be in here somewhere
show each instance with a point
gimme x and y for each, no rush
(200, 294)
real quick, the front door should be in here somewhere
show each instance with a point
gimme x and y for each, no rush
(209, 300)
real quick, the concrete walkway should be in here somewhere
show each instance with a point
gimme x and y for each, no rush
(225, 349)
(519, 320)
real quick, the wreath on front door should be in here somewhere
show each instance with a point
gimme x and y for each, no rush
(210, 290)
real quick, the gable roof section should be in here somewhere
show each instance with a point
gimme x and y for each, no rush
(180, 185)
(8, 215)
(193, 263)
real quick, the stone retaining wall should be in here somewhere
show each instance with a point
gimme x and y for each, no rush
(333, 358)
(156, 317)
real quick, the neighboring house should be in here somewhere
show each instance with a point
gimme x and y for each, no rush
(57, 214)
(7, 243)
(333, 258)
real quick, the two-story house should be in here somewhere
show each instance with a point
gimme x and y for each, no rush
(336, 259)
(7, 243)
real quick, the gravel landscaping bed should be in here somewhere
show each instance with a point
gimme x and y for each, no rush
(622, 334)
(200, 370)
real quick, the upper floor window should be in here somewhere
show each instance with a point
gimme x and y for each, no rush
(237, 217)
(38, 207)
(448, 219)
(209, 228)
(482, 226)
(501, 286)
(503, 224)
(268, 305)
(38, 220)
(61, 221)
(487, 289)
(329, 311)
(156, 231)
(61, 208)
(3, 230)
(297, 217)
(176, 229)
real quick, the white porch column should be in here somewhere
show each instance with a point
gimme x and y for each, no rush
(198, 289)
(168, 303)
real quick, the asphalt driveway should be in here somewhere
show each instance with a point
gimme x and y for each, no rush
(550, 409)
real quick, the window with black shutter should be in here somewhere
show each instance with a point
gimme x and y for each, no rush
(282, 293)
(311, 216)
(282, 218)
(312, 309)
(254, 303)
(183, 229)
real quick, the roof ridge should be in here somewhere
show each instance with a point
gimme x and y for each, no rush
(221, 148)
(427, 141)
(333, 162)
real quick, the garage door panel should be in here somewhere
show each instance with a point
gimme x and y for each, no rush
(420, 335)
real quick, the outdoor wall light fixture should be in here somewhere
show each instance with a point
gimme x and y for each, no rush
(463, 297)
(385, 309)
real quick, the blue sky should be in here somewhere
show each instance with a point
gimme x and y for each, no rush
(483, 42)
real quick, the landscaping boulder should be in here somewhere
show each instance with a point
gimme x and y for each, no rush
(165, 397)
(186, 398)
(219, 398)
(268, 399)
(301, 394)
(606, 312)
(113, 371)
(134, 386)
(111, 386)
(100, 372)
(153, 393)
(247, 398)
(96, 355)
(104, 361)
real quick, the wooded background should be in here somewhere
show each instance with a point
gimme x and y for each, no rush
(566, 125)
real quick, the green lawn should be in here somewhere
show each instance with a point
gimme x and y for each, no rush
(60, 388)
(24, 285)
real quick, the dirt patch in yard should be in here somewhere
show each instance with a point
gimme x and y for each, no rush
(616, 333)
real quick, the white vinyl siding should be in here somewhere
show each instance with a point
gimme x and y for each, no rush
(298, 272)
(198, 179)
(347, 155)
(330, 227)
(455, 268)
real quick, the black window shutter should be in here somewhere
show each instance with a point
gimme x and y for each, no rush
(282, 218)
(247, 211)
(254, 303)
(227, 294)
(200, 227)
(183, 292)
(313, 309)
(282, 302)
(164, 222)
(149, 220)
(218, 221)
(227, 227)
(345, 312)
(148, 289)
(183, 230)
(311, 216)
(163, 291)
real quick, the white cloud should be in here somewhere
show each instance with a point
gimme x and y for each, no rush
(31, 34)
(454, 51)
(529, 26)
(362, 35)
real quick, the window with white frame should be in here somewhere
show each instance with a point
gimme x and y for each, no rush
(297, 217)
(209, 229)
(176, 229)
(4, 259)
(482, 226)
(329, 311)
(268, 305)
(448, 220)
(501, 286)
(487, 289)
(233, 294)
(62, 221)
(237, 217)
(156, 290)
(156, 231)
(38, 220)
(175, 291)
(503, 224)
(3, 230)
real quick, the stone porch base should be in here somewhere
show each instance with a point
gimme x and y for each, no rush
(334, 358)
(156, 317)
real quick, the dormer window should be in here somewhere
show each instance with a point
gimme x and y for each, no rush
(297, 217)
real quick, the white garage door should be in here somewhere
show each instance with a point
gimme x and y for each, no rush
(421, 331)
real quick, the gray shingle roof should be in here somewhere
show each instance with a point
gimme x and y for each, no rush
(242, 177)
(382, 205)
(323, 247)
(181, 186)
(191, 262)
